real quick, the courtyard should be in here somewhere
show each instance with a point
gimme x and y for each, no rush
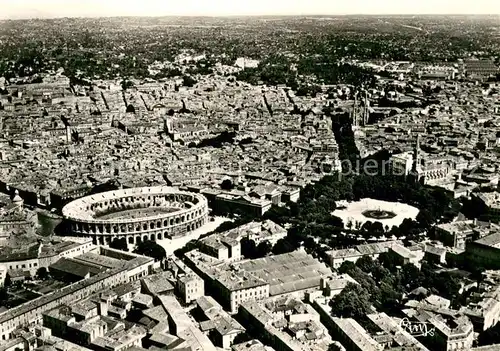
(388, 213)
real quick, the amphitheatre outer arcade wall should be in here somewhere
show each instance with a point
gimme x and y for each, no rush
(187, 212)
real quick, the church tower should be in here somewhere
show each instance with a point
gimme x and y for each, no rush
(68, 134)
(17, 200)
(168, 125)
(416, 153)
(366, 115)
(417, 161)
(354, 114)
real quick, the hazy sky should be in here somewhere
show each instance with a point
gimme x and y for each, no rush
(90, 8)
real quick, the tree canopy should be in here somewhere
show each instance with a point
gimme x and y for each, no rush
(42, 273)
(119, 244)
(386, 282)
(151, 249)
(352, 302)
(249, 249)
(227, 184)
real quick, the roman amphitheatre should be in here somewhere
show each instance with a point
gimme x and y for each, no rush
(137, 214)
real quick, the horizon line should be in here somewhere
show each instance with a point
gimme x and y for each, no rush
(20, 18)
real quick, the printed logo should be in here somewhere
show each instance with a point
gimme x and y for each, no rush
(417, 328)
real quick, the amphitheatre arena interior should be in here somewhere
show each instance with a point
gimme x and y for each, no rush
(137, 214)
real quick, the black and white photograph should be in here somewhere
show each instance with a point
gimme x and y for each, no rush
(249, 175)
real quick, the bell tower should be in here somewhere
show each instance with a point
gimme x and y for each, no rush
(416, 153)
(17, 200)
(417, 161)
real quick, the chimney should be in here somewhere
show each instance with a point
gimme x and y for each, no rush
(103, 307)
(68, 134)
(40, 249)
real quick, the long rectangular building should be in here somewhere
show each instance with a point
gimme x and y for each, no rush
(31, 312)
(183, 326)
(287, 273)
(236, 282)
